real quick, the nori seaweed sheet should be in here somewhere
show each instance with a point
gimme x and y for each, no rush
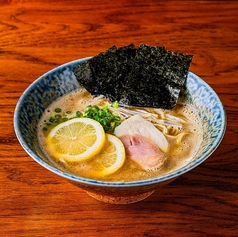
(157, 76)
(111, 68)
(148, 76)
(109, 71)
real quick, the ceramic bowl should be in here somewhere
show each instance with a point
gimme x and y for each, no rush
(61, 80)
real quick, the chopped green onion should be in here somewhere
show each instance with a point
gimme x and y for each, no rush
(103, 115)
(58, 110)
(51, 119)
(58, 116)
(78, 114)
(115, 104)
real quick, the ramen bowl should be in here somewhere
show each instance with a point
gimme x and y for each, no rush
(61, 80)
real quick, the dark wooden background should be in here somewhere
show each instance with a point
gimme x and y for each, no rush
(36, 36)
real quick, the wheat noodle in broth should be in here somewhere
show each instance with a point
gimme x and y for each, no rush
(181, 126)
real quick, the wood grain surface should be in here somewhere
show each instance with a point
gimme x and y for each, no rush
(38, 35)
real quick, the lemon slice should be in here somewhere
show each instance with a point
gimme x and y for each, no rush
(77, 139)
(110, 159)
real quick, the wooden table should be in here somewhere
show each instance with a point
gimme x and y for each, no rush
(36, 36)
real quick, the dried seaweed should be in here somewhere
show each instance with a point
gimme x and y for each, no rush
(157, 77)
(147, 76)
(111, 68)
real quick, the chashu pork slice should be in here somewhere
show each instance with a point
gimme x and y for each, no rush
(143, 142)
(138, 125)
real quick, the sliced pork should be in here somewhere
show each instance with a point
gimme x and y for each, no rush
(143, 151)
(140, 126)
(143, 142)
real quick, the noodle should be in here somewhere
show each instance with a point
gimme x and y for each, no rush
(181, 127)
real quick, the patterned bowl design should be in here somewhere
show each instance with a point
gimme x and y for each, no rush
(61, 80)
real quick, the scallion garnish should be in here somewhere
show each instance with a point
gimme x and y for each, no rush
(103, 115)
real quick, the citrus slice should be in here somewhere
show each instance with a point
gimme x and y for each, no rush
(77, 139)
(110, 159)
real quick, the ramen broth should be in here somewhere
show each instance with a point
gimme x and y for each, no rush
(179, 154)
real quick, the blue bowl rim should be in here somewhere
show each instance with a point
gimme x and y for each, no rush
(163, 178)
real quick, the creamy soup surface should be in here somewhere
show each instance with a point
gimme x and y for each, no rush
(178, 155)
